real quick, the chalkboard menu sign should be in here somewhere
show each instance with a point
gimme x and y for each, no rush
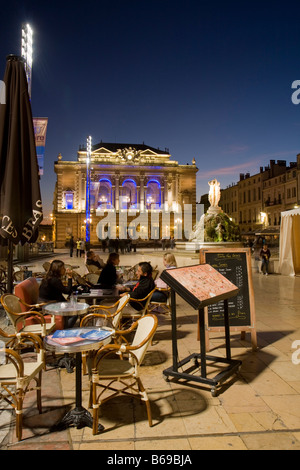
(235, 265)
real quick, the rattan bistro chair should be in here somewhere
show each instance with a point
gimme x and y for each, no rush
(93, 269)
(16, 375)
(13, 308)
(164, 306)
(91, 278)
(130, 313)
(107, 316)
(115, 368)
(110, 315)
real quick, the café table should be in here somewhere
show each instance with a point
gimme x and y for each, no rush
(66, 309)
(98, 295)
(79, 416)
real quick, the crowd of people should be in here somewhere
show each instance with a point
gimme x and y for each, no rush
(57, 284)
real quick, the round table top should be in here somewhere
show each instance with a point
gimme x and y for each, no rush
(79, 346)
(66, 309)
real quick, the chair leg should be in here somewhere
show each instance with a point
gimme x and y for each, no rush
(95, 410)
(144, 397)
(95, 420)
(19, 416)
(39, 393)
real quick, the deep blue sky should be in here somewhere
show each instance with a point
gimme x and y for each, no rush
(209, 80)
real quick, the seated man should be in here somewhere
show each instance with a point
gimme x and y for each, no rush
(144, 285)
(93, 259)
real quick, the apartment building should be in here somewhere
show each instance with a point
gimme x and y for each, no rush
(256, 201)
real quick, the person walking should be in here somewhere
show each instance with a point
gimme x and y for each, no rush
(265, 257)
(71, 246)
(78, 247)
(82, 248)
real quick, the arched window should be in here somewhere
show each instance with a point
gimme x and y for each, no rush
(128, 196)
(153, 193)
(105, 194)
(69, 200)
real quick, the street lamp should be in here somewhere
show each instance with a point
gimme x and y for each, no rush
(263, 218)
(26, 53)
(88, 182)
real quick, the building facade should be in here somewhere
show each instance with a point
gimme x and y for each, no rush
(134, 190)
(256, 202)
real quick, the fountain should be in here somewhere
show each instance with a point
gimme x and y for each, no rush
(215, 228)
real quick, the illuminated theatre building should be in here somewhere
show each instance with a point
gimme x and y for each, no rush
(134, 190)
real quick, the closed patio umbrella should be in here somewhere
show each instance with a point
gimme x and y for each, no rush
(20, 197)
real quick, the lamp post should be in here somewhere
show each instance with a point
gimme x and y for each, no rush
(26, 53)
(88, 182)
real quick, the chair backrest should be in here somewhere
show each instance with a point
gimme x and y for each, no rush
(11, 304)
(154, 274)
(146, 328)
(93, 269)
(28, 291)
(79, 279)
(46, 266)
(92, 277)
(145, 309)
(118, 313)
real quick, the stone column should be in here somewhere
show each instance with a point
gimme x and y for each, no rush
(117, 192)
(142, 193)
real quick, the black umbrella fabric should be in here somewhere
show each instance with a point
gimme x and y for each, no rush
(20, 196)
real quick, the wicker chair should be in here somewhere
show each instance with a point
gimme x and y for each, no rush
(118, 364)
(16, 375)
(14, 308)
(130, 313)
(28, 293)
(93, 269)
(107, 315)
(161, 306)
(91, 278)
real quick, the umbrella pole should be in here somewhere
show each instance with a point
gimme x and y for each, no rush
(10, 267)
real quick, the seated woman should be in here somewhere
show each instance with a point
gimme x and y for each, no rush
(169, 263)
(144, 285)
(109, 277)
(52, 287)
(93, 259)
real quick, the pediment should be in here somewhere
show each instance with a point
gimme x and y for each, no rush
(102, 150)
(152, 153)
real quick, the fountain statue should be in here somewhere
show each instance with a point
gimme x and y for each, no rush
(214, 197)
(215, 225)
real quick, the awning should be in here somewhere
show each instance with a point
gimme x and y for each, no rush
(289, 250)
(268, 231)
(290, 213)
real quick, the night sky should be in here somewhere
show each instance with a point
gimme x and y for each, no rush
(210, 80)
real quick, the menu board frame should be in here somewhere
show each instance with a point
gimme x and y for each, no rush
(199, 285)
(250, 325)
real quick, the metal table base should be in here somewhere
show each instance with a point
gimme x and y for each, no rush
(199, 360)
(79, 416)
